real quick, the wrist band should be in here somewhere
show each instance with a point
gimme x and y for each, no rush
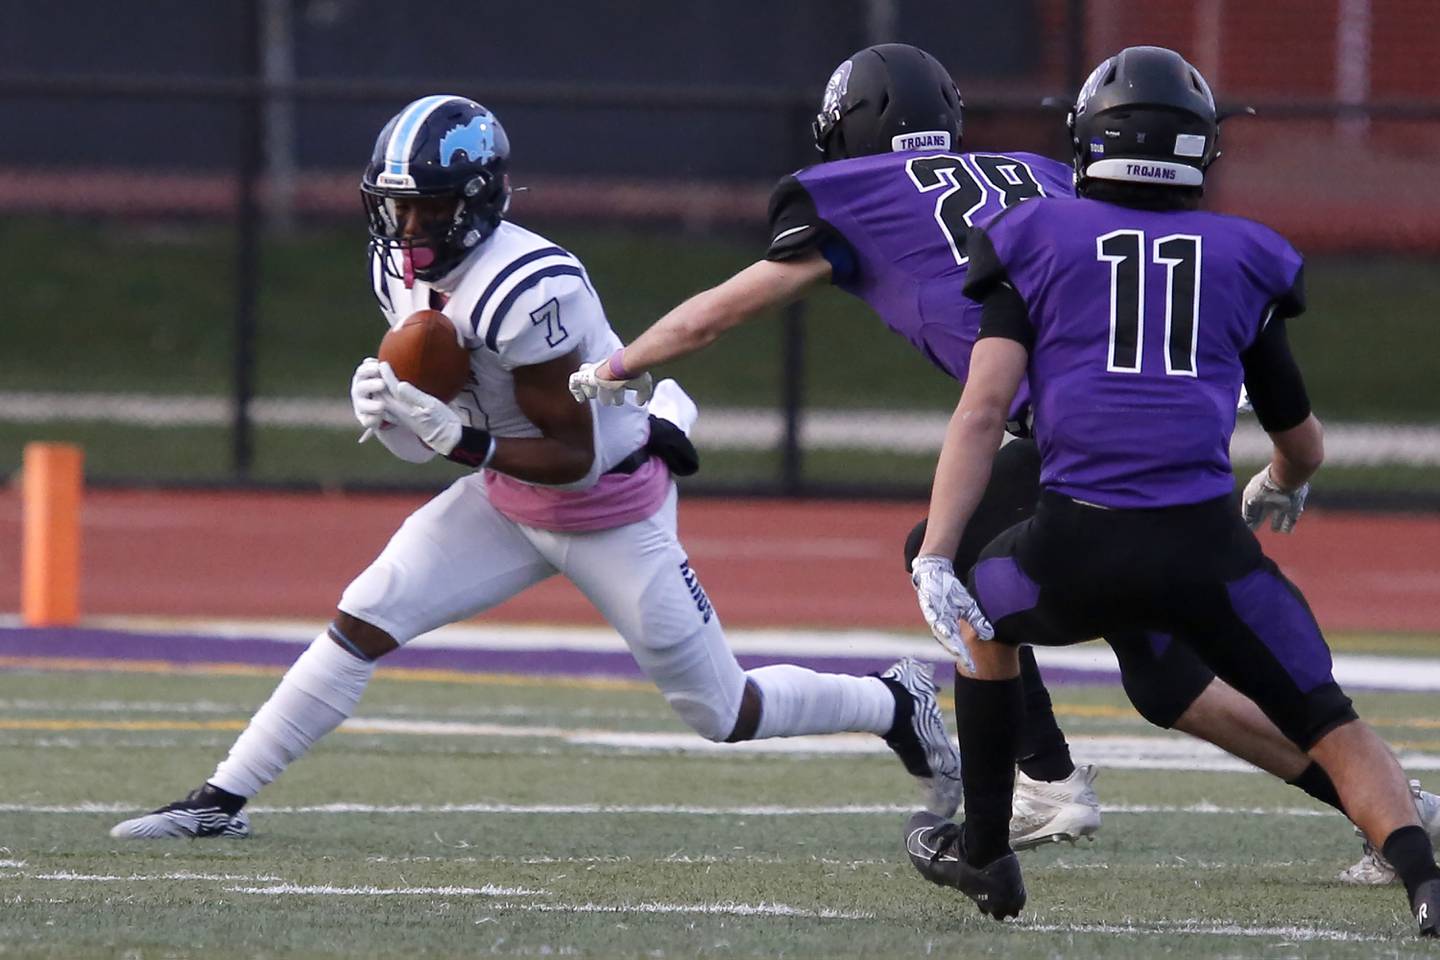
(476, 448)
(617, 365)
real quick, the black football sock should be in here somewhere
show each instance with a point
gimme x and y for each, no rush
(212, 795)
(988, 715)
(1409, 851)
(1043, 753)
(1316, 782)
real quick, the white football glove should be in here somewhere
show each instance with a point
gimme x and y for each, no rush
(1263, 497)
(367, 396)
(425, 416)
(944, 601)
(584, 385)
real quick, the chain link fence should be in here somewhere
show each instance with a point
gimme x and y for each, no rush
(182, 244)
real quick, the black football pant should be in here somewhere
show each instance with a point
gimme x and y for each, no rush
(1189, 578)
(1161, 679)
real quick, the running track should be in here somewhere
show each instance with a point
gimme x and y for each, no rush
(764, 562)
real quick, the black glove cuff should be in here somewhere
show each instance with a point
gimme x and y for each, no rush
(475, 448)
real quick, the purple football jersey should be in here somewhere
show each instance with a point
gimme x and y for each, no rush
(1139, 319)
(903, 221)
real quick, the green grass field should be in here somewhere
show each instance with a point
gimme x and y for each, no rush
(576, 843)
(148, 309)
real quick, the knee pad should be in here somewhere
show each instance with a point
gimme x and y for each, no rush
(1161, 677)
(707, 716)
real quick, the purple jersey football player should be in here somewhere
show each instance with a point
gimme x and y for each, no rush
(888, 218)
(1136, 317)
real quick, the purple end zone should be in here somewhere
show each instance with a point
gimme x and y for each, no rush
(119, 645)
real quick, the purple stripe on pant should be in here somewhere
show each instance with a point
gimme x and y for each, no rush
(1003, 588)
(1267, 605)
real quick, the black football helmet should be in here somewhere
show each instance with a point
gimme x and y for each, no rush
(1144, 116)
(887, 98)
(439, 146)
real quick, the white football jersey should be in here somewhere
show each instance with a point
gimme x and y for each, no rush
(519, 300)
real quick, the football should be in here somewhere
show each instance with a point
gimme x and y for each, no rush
(425, 350)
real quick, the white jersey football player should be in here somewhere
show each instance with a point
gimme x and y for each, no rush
(582, 490)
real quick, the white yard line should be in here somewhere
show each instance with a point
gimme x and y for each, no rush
(656, 809)
(719, 428)
(1206, 928)
(724, 908)
(1118, 752)
(303, 890)
(69, 876)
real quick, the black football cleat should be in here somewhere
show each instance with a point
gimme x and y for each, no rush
(1426, 907)
(937, 850)
(199, 816)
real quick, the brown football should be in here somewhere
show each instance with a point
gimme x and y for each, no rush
(425, 350)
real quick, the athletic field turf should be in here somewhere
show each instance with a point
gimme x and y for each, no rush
(467, 812)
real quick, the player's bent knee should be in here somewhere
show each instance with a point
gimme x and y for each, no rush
(1161, 683)
(362, 639)
(712, 720)
(1154, 703)
(1325, 709)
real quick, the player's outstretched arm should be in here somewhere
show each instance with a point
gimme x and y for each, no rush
(699, 321)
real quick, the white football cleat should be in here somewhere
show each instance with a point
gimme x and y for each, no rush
(190, 819)
(919, 737)
(1046, 812)
(1372, 869)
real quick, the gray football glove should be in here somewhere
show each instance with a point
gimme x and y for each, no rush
(944, 601)
(1263, 497)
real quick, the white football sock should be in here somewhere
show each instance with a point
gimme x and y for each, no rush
(315, 696)
(795, 701)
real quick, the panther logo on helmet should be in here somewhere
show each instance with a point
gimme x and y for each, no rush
(438, 148)
(475, 140)
(835, 88)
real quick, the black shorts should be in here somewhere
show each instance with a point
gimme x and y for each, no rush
(1161, 679)
(1193, 573)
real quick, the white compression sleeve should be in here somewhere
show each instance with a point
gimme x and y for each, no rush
(795, 701)
(317, 693)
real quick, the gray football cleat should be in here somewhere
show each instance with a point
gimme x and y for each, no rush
(919, 738)
(1372, 869)
(937, 850)
(196, 817)
(1049, 812)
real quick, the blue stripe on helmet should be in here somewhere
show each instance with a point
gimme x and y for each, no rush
(397, 154)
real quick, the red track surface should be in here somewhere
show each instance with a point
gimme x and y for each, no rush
(764, 562)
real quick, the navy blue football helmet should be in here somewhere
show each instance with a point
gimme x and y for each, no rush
(437, 147)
